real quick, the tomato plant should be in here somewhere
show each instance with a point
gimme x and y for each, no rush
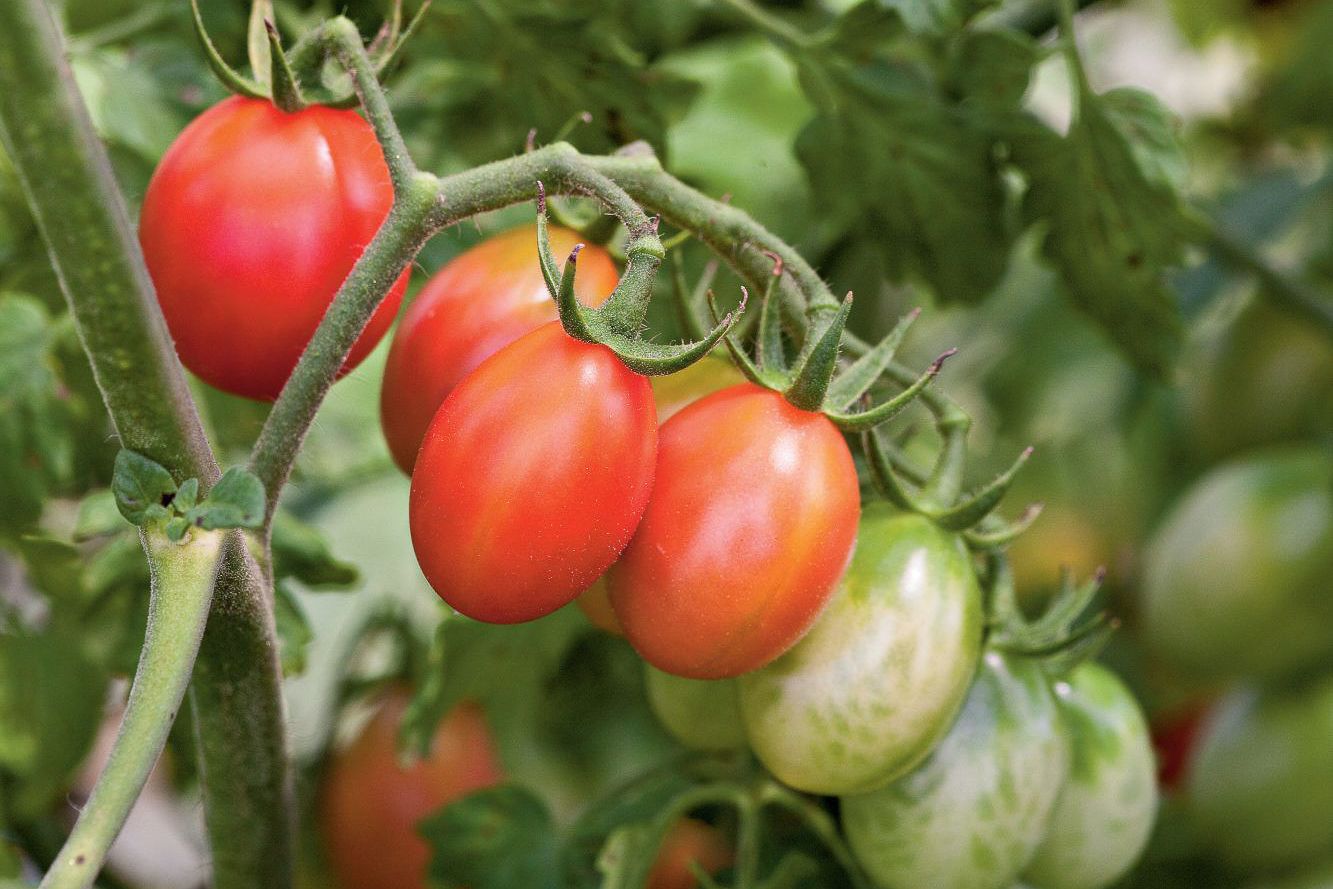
(532, 477)
(869, 692)
(369, 803)
(481, 301)
(251, 222)
(728, 569)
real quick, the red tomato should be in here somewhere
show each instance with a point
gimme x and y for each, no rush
(751, 522)
(251, 222)
(370, 806)
(689, 840)
(1174, 737)
(483, 300)
(532, 477)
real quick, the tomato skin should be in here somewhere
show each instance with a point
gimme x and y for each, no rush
(1236, 580)
(1259, 790)
(972, 814)
(1174, 738)
(369, 806)
(1107, 805)
(752, 520)
(881, 676)
(702, 714)
(532, 477)
(481, 301)
(250, 223)
(671, 393)
(689, 840)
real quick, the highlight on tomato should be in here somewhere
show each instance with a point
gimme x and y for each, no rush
(369, 805)
(751, 522)
(532, 477)
(480, 301)
(249, 225)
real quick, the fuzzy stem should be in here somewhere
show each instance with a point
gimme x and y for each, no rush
(182, 587)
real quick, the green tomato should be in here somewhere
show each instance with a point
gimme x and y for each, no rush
(1106, 808)
(702, 714)
(1260, 788)
(972, 815)
(1237, 579)
(875, 684)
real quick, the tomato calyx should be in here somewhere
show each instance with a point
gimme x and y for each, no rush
(1060, 637)
(294, 79)
(618, 323)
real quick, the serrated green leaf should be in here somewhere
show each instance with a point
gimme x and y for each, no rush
(1111, 229)
(301, 552)
(1152, 133)
(236, 501)
(98, 516)
(141, 486)
(294, 633)
(497, 838)
(991, 68)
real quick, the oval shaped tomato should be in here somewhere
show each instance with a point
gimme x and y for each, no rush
(369, 806)
(1237, 579)
(532, 477)
(480, 301)
(702, 714)
(751, 522)
(972, 814)
(670, 393)
(250, 224)
(1106, 807)
(879, 679)
(1260, 788)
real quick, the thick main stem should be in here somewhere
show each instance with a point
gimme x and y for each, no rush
(67, 178)
(182, 587)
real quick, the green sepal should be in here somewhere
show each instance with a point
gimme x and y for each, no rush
(308, 55)
(257, 42)
(739, 356)
(811, 380)
(972, 510)
(853, 382)
(885, 411)
(1057, 636)
(286, 91)
(143, 488)
(618, 322)
(995, 533)
(769, 351)
(690, 303)
(230, 77)
(884, 476)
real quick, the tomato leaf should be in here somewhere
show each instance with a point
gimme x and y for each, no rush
(936, 16)
(493, 839)
(236, 501)
(293, 628)
(143, 488)
(301, 552)
(1112, 223)
(991, 68)
(99, 516)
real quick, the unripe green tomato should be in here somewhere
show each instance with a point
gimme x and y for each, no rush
(973, 813)
(1260, 788)
(702, 714)
(878, 680)
(1237, 578)
(1106, 808)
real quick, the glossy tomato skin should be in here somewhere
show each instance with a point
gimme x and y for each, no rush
(250, 224)
(752, 520)
(1106, 807)
(1259, 790)
(482, 300)
(532, 477)
(671, 393)
(702, 714)
(878, 680)
(1237, 578)
(973, 813)
(369, 806)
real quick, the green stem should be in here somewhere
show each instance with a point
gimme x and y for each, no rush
(779, 31)
(344, 40)
(67, 178)
(182, 587)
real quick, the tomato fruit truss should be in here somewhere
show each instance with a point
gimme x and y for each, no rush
(250, 224)
(751, 522)
(532, 477)
(879, 679)
(369, 806)
(479, 302)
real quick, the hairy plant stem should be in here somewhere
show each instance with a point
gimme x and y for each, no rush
(182, 587)
(67, 179)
